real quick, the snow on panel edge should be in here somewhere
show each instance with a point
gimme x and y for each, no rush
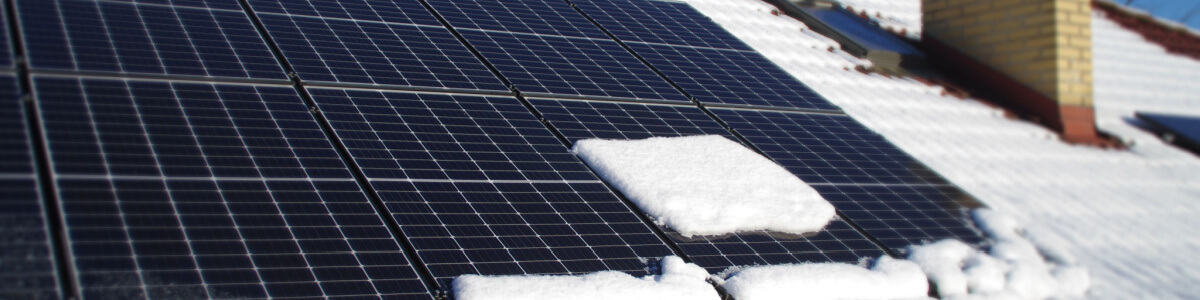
(679, 280)
(888, 279)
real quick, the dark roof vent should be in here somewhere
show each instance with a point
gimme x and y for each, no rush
(1180, 130)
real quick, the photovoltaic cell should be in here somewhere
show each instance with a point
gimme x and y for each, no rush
(547, 17)
(390, 11)
(570, 66)
(346, 51)
(480, 186)
(584, 119)
(26, 266)
(891, 195)
(730, 77)
(659, 22)
(121, 37)
(434, 136)
(192, 190)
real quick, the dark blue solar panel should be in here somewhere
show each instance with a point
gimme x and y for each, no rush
(149, 39)
(661, 22)
(550, 17)
(190, 190)
(480, 186)
(1182, 130)
(391, 11)
(876, 185)
(570, 66)
(26, 266)
(584, 119)
(336, 50)
(831, 149)
(730, 77)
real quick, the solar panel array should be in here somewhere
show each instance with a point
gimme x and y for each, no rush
(378, 149)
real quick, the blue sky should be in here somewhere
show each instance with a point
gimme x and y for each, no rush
(1182, 11)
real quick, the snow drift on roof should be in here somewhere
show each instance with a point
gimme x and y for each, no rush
(887, 279)
(679, 280)
(706, 185)
(1013, 268)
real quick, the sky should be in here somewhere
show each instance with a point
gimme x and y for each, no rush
(1182, 11)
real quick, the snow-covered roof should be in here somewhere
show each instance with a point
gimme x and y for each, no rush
(1128, 215)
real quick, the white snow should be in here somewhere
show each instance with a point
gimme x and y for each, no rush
(679, 280)
(887, 279)
(1013, 267)
(706, 185)
(1129, 216)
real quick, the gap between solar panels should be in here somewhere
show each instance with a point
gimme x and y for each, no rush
(368, 189)
(54, 221)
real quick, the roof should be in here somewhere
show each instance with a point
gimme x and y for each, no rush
(380, 149)
(1127, 215)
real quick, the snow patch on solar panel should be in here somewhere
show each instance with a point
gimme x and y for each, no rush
(706, 185)
(679, 280)
(888, 279)
(1013, 268)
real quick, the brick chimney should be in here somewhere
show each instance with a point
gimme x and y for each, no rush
(1034, 55)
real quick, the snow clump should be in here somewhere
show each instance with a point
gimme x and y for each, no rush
(706, 185)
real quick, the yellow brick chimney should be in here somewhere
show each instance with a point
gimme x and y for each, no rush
(1045, 46)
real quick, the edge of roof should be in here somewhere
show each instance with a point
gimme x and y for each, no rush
(1175, 38)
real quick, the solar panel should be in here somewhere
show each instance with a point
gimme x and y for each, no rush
(366, 52)
(548, 17)
(103, 36)
(730, 77)
(27, 270)
(585, 119)
(659, 22)
(403, 12)
(544, 64)
(480, 186)
(892, 196)
(195, 190)
(1178, 129)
